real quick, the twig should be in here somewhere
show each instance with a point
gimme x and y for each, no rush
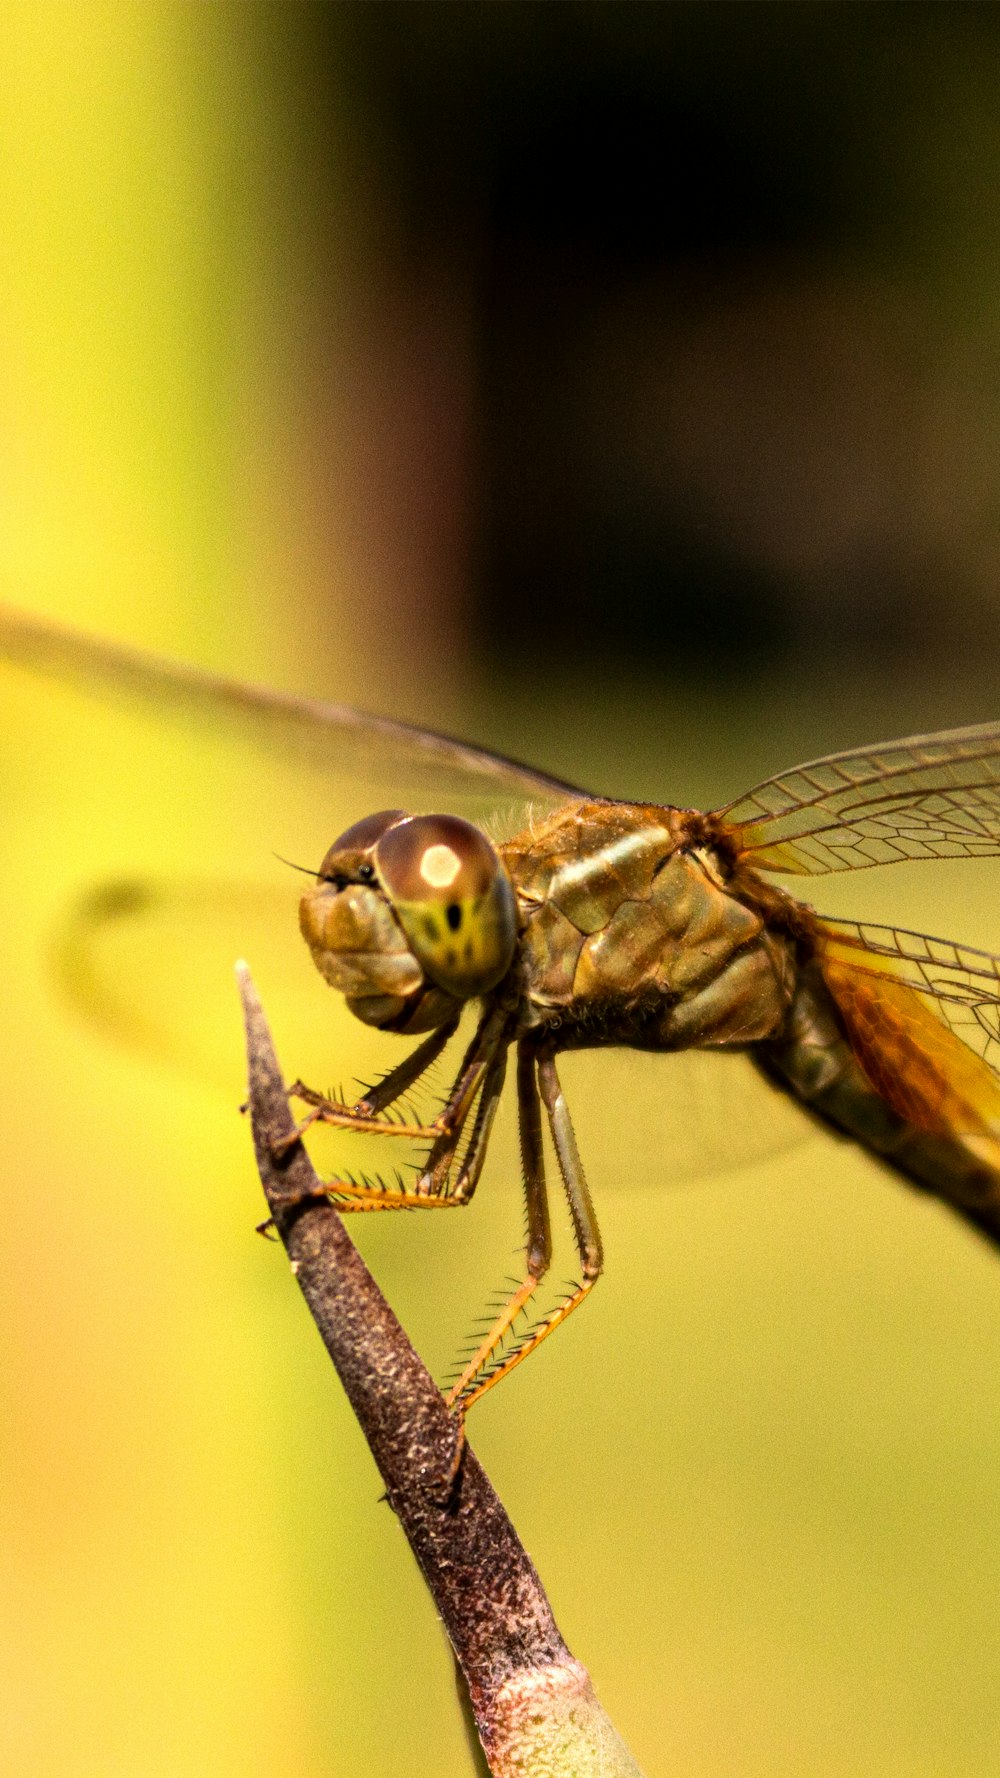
(533, 1704)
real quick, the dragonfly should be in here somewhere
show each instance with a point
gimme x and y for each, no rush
(605, 924)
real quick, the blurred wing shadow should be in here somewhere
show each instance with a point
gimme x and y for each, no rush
(150, 965)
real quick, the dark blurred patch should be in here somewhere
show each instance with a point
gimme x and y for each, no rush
(124, 898)
(149, 964)
(599, 177)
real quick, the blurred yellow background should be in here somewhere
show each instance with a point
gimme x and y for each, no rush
(254, 414)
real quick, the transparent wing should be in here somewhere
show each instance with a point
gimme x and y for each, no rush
(304, 729)
(255, 773)
(923, 1016)
(930, 796)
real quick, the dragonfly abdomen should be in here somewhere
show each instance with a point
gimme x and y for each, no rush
(959, 1163)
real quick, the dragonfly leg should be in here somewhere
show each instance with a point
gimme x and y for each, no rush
(434, 1187)
(489, 1039)
(435, 1178)
(472, 1384)
(489, 1099)
(538, 1252)
(393, 1085)
(452, 1114)
(357, 1195)
(367, 1113)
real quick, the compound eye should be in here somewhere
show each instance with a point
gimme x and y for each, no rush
(453, 899)
(351, 854)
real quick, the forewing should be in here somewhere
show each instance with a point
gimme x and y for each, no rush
(255, 773)
(308, 730)
(930, 796)
(923, 1017)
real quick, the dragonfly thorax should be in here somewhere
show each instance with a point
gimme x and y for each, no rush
(631, 933)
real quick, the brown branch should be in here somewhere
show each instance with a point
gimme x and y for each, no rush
(534, 1708)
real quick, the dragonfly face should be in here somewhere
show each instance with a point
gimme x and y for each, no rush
(410, 916)
(615, 924)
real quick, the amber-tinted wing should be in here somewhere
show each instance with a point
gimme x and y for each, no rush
(923, 1018)
(303, 728)
(931, 796)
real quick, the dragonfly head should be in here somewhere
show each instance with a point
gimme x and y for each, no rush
(409, 916)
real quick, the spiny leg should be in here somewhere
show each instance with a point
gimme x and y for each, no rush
(538, 1251)
(581, 1205)
(490, 1038)
(475, 1154)
(588, 1243)
(367, 1114)
(452, 1114)
(433, 1187)
(355, 1196)
(481, 1077)
(393, 1085)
